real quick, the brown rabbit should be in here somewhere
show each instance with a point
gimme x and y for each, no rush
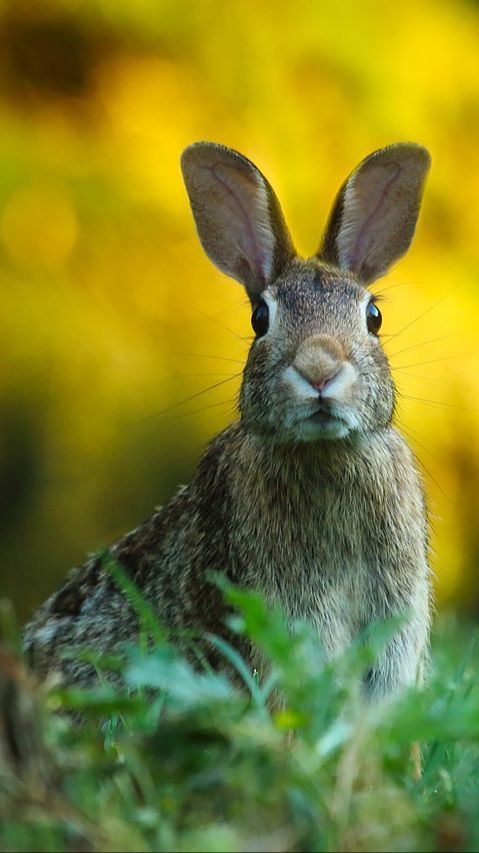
(311, 496)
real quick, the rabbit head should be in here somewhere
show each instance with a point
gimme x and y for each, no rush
(316, 369)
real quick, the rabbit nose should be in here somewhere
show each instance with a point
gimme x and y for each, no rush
(319, 359)
(321, 385)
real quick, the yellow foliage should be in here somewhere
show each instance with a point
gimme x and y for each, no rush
(111, 313)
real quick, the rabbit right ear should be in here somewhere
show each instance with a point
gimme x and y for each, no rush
(373, 219)
(237, 215)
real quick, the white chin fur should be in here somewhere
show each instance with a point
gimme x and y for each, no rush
(309, 431)
(337, 394)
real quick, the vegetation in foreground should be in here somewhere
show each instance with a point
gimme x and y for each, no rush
(188, 760)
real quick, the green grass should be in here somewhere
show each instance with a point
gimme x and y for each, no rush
(188, 760)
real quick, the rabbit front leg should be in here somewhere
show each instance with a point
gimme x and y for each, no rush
(401, 662)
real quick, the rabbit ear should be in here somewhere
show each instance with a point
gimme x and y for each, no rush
(237, 215)
(374, 216)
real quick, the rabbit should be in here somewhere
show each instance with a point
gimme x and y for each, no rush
(312, 496)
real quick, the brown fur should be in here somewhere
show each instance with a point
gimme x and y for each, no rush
(332, 525)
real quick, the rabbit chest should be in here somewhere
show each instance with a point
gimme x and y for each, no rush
(340, 542)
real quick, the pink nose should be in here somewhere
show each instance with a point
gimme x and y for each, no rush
(319, 359)
(321, 385)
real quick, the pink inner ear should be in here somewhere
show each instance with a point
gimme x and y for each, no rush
(372, 199)
(246, 217)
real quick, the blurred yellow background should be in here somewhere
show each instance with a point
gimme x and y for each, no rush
(110, 312)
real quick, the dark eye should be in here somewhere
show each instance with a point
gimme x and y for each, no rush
(374, 318)
(260, 319)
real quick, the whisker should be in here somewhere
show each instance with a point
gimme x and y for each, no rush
(431, 361)
(437, 403)
(414, 440)
(421, 344)
(211, 318)
(231, 413)
(421, 378)
(197, 411)
(188, 399)
(210, 373)
(417, 437)
(391, 287)
(423, 314)
(204, 355)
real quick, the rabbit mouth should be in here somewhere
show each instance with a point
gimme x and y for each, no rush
(323, 416)
(325, 424)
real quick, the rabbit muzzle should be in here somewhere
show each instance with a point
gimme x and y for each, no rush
(321, 361)
(322, 385)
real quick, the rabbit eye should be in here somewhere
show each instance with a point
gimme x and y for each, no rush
(260, 319)
(374, 318)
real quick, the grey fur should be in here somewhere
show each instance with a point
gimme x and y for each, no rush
(312, 497)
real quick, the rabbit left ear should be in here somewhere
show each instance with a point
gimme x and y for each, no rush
(237, 215)
(374, 216)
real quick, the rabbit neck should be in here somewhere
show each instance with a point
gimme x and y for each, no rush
(312, 462)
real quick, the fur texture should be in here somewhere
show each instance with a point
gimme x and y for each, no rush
(312, 496)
